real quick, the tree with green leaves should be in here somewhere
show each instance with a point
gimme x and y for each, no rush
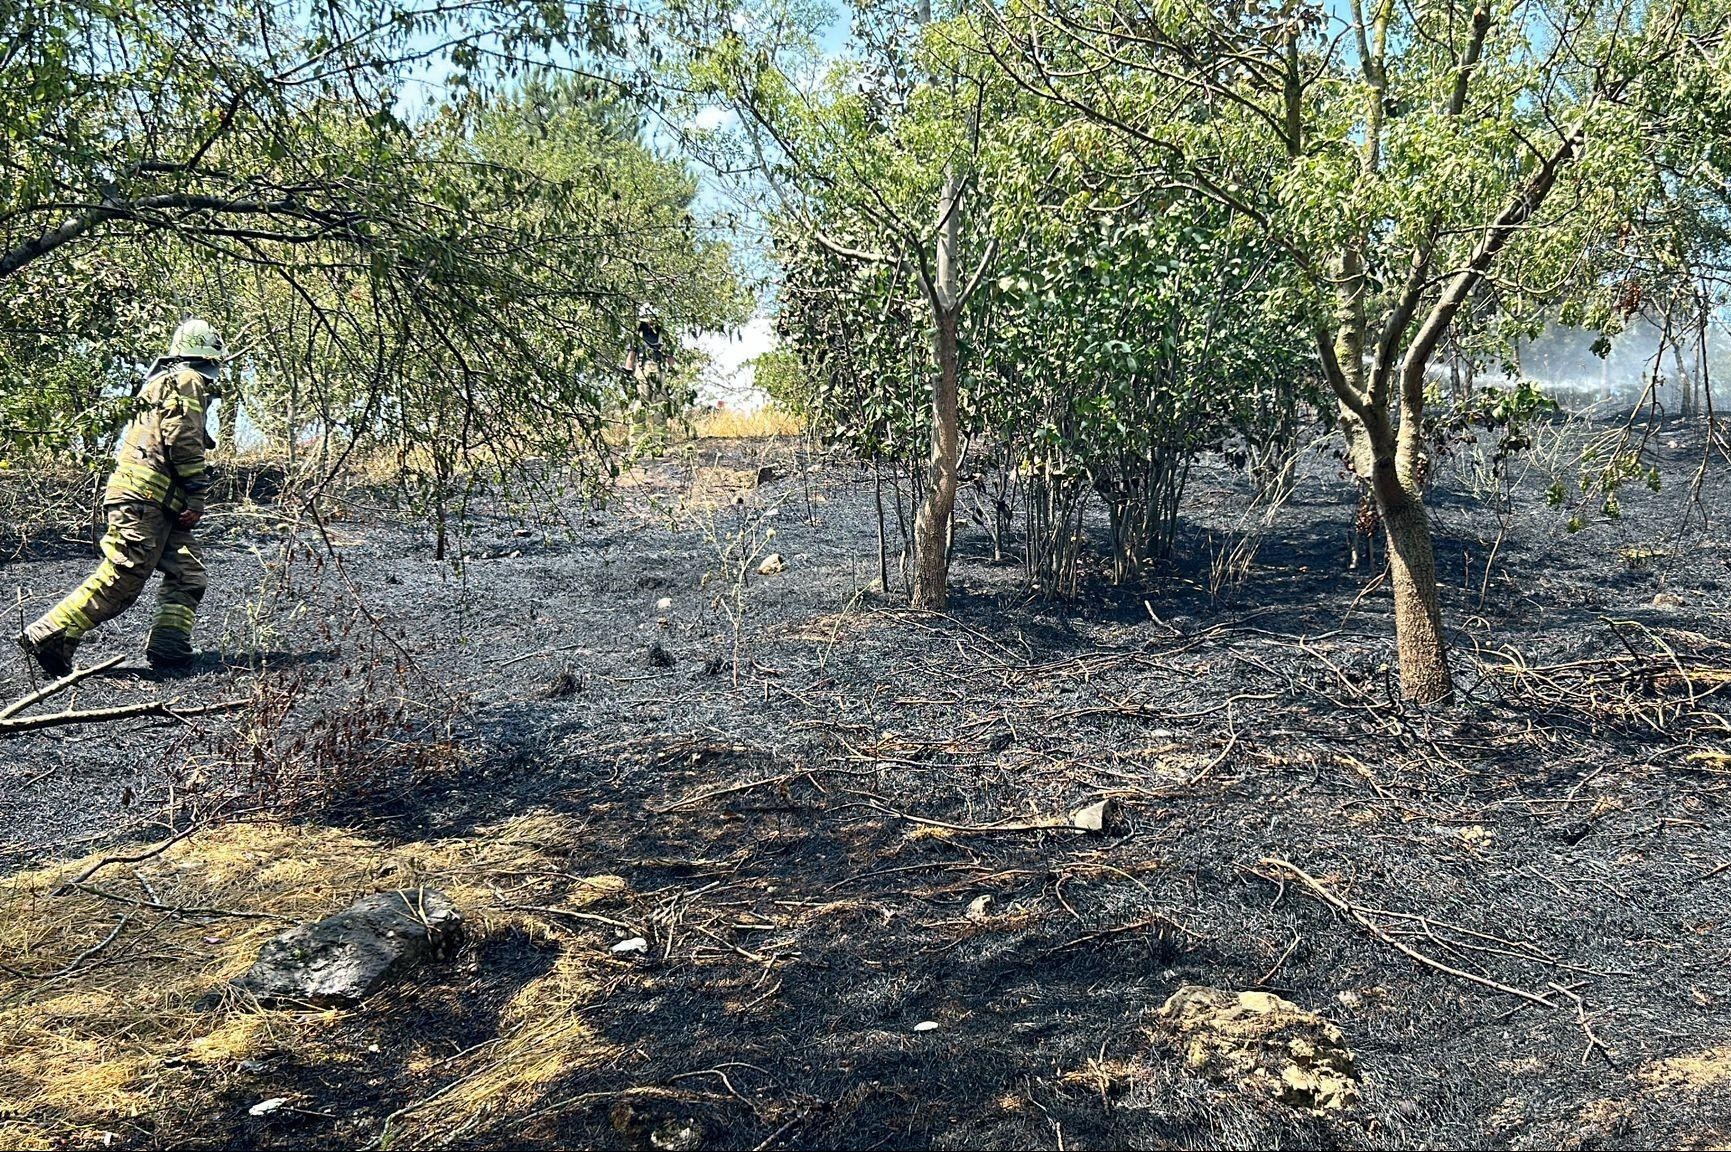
(465, 267)
(1126, 329)
(872, 158)
(1400, 156)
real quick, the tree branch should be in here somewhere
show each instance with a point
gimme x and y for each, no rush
(167, 708)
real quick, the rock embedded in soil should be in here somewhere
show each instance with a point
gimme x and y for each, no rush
(343, 959)
(1265, 1045)
(772, 564)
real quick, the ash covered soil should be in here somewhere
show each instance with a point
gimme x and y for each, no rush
(808, 789)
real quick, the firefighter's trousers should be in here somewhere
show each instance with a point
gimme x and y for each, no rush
(141, 539)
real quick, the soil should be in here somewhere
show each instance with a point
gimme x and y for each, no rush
(808, 789)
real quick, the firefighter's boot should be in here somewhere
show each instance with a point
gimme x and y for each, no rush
(52, 648)
(170, 643)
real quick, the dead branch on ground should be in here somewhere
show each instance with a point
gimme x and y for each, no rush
(1360, 917)
(171, 709)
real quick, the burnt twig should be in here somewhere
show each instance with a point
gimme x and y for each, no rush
(1357, 916)
(168, 708)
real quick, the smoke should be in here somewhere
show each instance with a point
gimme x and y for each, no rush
(1563, 363)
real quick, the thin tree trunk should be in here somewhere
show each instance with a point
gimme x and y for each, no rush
(1424, 668)
(227, 421)
(883, 543)
(932, 525)
(1685, 389)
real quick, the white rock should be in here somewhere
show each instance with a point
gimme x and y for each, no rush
(978, 906)
(664, 604)
(635, 944)
(926, 1026)
(266, 1107)
(772, 564)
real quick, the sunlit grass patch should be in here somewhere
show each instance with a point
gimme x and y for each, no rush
(734, 423)
(116, 1015)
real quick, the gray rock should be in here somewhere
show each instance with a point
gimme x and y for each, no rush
(343, 959)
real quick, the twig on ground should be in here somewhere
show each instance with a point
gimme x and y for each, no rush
(168, 708)
(729, 790)
(135, 858)
(181, 909)
(769, 1141)
(1149, 922)
(76, 960)
(1357, 916)
(1046, 824)
(1275, 967)
(569, 912)
(1593, 1041)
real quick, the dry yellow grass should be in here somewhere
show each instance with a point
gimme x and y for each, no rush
(1693, 1071)
(121, 1040)
(730, 423)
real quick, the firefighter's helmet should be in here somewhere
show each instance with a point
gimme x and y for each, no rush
(197, 340)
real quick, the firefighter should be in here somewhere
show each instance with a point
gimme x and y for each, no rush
(154, 499)
(646, 364)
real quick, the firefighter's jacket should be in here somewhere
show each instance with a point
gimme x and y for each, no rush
(161, 457)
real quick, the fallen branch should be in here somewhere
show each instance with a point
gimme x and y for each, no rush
(1045, 824)
(1357, 916)
(71, 967)
(1586, 1026)
(136, 858)
(1155, 922)
(769, 1141)
(180, 909)
(57, 687)
(547, 910)
(168, 708)
(713, 793)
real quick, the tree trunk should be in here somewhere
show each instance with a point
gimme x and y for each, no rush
(1685, 389)
(932, 526)
(1424, 667)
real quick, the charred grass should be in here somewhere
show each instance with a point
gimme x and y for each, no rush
(824, 816)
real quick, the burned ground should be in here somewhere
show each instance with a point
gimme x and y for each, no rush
(809, 790)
